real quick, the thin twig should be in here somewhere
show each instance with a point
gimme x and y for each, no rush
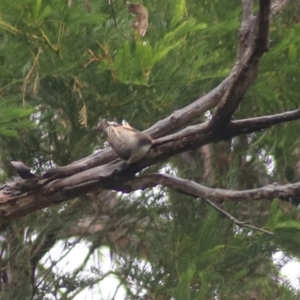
(234, 220)
(110, 3)
(28, 76)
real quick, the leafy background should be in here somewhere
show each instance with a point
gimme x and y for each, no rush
(64, 67)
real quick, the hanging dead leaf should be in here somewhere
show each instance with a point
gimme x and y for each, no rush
(83, 118)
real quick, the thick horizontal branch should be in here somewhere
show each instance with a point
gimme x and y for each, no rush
(172, 123)
(255, 124)
(199, 135)
(20, 197)
(191, 188)
(236, 128)
(195, 136)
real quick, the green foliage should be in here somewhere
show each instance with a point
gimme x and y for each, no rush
(13, 117)
(64, 67)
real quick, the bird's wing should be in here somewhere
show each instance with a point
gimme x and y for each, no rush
(126, 124)
(119, 139)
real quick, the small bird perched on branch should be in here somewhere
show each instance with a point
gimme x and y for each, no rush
(22, 170)
(130, 144)
(141, 21)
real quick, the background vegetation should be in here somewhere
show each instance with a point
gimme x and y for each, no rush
(63, 67)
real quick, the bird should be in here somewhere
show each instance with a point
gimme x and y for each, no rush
(130, 144)
(141, 17)
(23, 171)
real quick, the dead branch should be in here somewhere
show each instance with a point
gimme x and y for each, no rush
(260, 123)
(245, 69)
(246, 26)
(235, 128)
(19, 197)
(278, 6)
(234, 220)
(191, 188)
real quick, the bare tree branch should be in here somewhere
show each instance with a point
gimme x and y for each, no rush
(67, 188)
(279, 6)
(246, 68)
(19, 196)
(246, 26)
(259, 123)
(234, 220)
(234, 129)
(177, 120)
(191, 188)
